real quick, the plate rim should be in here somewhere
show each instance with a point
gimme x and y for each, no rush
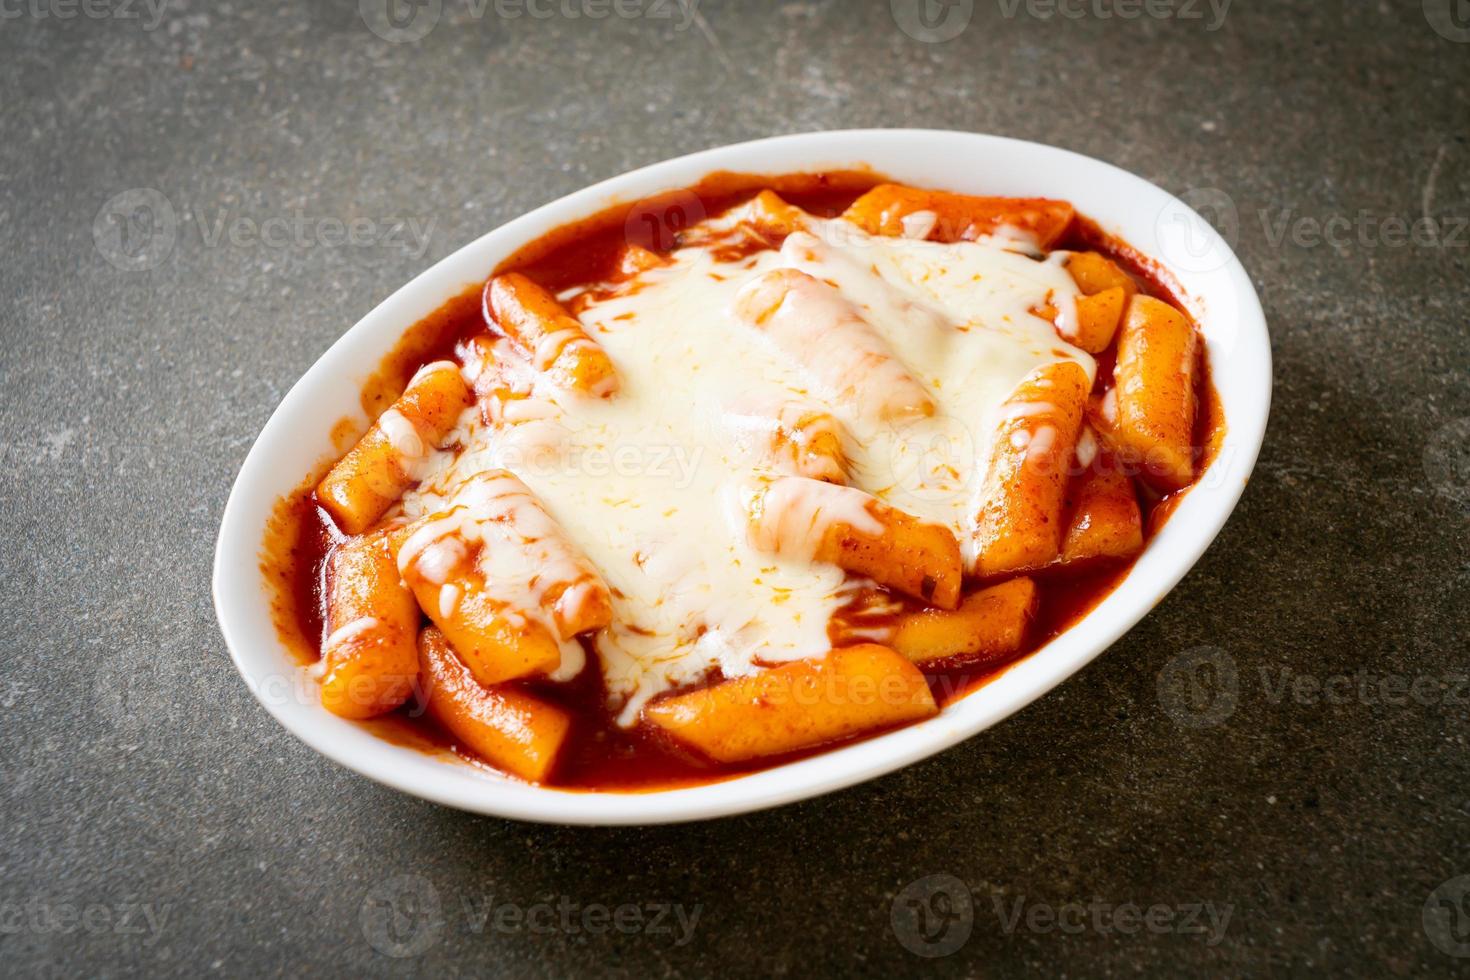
(1191, 528)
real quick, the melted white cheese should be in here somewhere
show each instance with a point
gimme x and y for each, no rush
(523, 557)
(649, 483)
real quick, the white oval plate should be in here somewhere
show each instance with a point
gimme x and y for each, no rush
(297, 438)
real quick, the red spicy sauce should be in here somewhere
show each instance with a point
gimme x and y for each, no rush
(600, 755)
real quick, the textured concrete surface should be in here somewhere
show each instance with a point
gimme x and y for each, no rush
(1268, 776)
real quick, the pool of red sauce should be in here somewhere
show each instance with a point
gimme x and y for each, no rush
(600, 755)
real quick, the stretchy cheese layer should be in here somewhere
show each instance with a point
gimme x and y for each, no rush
(653, 484)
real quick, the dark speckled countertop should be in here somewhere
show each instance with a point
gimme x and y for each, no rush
(171, 182)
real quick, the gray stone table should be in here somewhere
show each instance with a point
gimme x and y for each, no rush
(156, 821)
